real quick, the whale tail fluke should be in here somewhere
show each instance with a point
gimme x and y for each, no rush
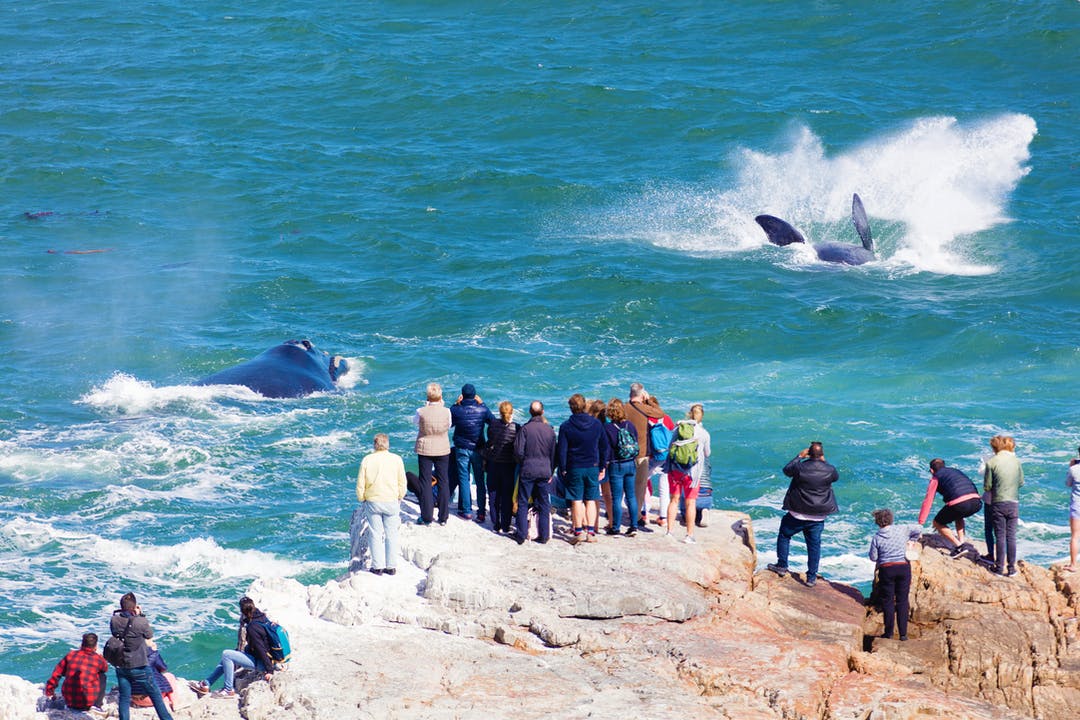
(780, 232)
(862, 225)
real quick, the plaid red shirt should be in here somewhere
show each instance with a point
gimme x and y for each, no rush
(82, 670)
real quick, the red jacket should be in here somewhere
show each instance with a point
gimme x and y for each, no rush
(84, 673)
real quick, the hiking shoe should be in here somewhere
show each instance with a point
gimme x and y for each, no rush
(689, 540)
(957, 551)
(577, 539)
(1011, 572)
(200, 688)
(780, 570)
(592, 537)
(480, 517)
(376, 571)
(390, 571)
(631, 531)
(611, 530)
(223, 694)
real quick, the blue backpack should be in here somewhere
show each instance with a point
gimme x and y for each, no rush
(280, 648)
(661, 430)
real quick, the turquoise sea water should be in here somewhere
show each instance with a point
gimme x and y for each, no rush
(537, 198)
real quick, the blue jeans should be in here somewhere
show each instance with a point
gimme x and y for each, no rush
(144, 677)
(811, 530)
(621, 476)
(470, 460)
(384, 518)
(227, 667)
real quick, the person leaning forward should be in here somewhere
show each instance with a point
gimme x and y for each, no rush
(809, 500)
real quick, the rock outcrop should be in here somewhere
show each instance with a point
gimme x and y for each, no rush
(475, 626)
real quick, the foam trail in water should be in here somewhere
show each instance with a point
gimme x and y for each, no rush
(927, 188)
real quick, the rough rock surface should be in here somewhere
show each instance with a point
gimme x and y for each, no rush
(475, 626)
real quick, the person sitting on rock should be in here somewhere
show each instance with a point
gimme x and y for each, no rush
(961, 501)
(162, 678)
(888, 549)
(253, 642)
(84, 672)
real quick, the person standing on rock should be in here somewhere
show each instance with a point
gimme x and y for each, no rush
(639, 412)
(502, 467)
(809, 500)
(582, 447)
(1073, 481)
(888, 549)
(433, 455)
(1002, 478)
(133, 629)
(380, 486)
(623, 443)
(534, 448)
(470, 417)
(961, 501)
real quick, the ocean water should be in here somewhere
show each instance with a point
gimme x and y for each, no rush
(540, 199)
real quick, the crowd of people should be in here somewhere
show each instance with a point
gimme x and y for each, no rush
(611, 452)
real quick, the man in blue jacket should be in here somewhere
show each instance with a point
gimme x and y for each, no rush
(469, 418)
(809, 500)
(583, 453)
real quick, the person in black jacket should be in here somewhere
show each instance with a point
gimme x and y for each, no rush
(131, 626)
(809, 500)
(253, 643)
(534, 447)
(502, 466)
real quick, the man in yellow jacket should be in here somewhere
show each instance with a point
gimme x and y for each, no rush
(380, 486)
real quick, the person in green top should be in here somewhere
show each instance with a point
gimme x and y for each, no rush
(1003, 477)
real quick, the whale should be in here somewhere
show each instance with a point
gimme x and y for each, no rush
(292, 369)
(780, 232)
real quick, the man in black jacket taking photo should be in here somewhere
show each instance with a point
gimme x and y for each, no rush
(809, 500)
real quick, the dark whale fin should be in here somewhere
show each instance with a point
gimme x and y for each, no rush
(779, 231)
(862, 225)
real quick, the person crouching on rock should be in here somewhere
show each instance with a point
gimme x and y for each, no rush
(84, 672)
(888, 549)
(809, 500)
(253, 643)
(961, 501)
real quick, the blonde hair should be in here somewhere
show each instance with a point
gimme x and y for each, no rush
(434, 392)
(506, 411)
(694, 409)
(382, 441)
(1002, 442)
(615, 411)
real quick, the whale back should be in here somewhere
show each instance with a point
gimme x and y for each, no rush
(780, 232)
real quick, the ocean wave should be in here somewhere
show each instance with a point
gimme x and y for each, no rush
(929, 188)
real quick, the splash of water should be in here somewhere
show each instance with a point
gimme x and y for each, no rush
(928, 188)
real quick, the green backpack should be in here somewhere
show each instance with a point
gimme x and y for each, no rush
(684, 452)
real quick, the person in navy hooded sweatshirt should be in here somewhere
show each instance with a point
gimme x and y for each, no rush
(470, 417)
(582, 454)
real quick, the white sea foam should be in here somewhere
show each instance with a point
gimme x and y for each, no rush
(127, 395)
(928, 188)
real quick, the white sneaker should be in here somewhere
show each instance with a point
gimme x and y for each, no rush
(689, 540)
(704, 522)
